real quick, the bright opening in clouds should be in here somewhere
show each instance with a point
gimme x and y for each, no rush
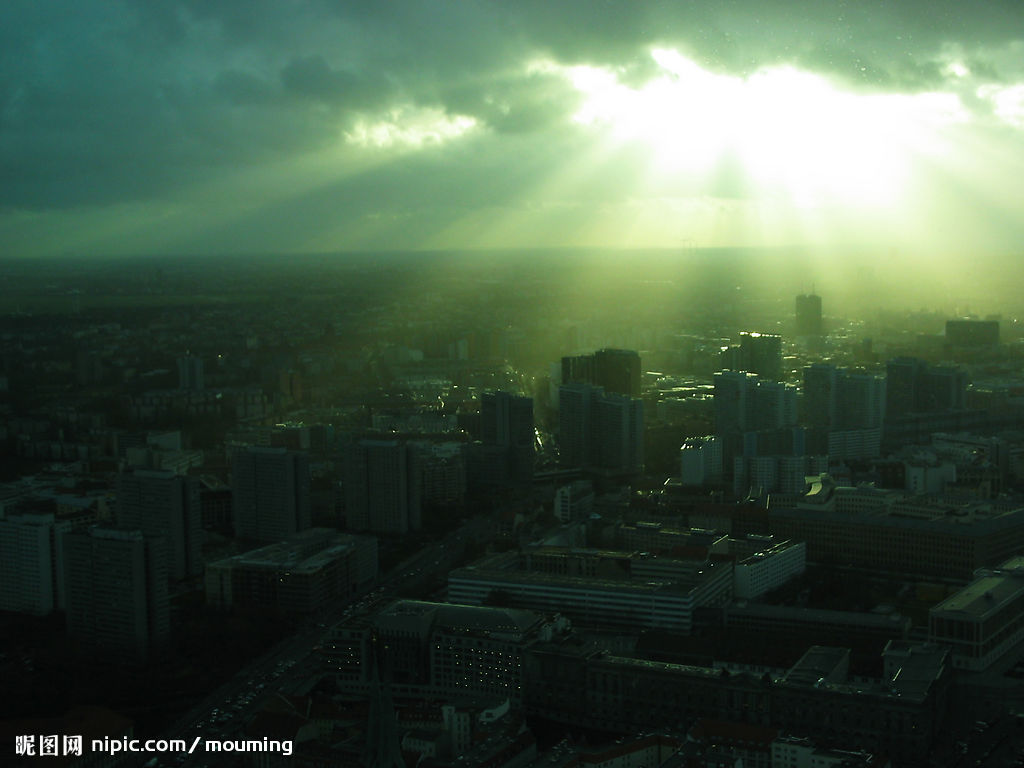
(235, 126)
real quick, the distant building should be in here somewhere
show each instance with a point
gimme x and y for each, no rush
(912, 386)
(506, 421)
(117, 599)
(700, 461)
(842, 400)
(614, 370)
(270, 493)
(984, 621)
(972, 333)
(638, 592)
(574, 501)
(161, 503)
(382, 488)
(31, 562)
(744, 403)
(600, 431)
(808, 315)
(190, 373)
(311, 571)
(761, 353)
(896, 531)
(439, 649)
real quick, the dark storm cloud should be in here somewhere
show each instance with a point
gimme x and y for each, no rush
(130, 100)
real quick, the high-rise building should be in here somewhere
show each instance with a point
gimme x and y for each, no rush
(270, 493)
(808, 315)
(842, 400)
(700, 461)
(618, 371)
(912, 386)
(382, 488)
(615, 370)
(161, 503)
(761, 353)
(734, 401)
(599, 430)
(31, 578)
(972, 333)
(506, 420)
(190, 372)
(117, 600)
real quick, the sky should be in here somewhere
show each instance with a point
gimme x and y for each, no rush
(277, 126)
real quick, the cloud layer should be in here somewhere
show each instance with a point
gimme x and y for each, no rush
(320, 125)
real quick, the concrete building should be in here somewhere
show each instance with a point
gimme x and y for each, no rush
(983, 621)
(662, 593)
(808, 315)
(163, 504)
(506, 421)
(270, 493)
(311, 571)
(117, 601)
(439, 649)
(617, 371)
(574, 501)
(768, 568)
(894, 531)
(901, 714)
(966, 332)
(382, 487)
(31, 562)
(599, 431)
(700, 461)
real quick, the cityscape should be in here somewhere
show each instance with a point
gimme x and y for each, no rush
(483, 386)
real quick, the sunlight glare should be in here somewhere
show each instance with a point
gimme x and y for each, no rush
(794, 133)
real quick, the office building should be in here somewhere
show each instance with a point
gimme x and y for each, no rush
(382, 488)
(761, 353)
(744, 403)
(117, 600)
(439, 649)
(768, 568)
(984, 621)
(912, 387)
(270, 493)
(700, 461)
(902, 713)
(896, 531)
(161, 503)
(600, 431)
(313, 570)
(842, 400)
(506, 421)
(190, 373)
(616, 371)
(975, 334)
(608, 590)
(31, 564)
(574, 501)
(808, 315)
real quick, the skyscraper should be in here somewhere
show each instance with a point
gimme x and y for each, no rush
(270, 493)
(507, 421)
(808, 315)
(190, 372)
(382, 488)
(761, 353)
(599, 430)
(614, 370)
(117, 599)
(164, 504)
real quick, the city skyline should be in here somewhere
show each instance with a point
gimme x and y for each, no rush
(237, 128)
